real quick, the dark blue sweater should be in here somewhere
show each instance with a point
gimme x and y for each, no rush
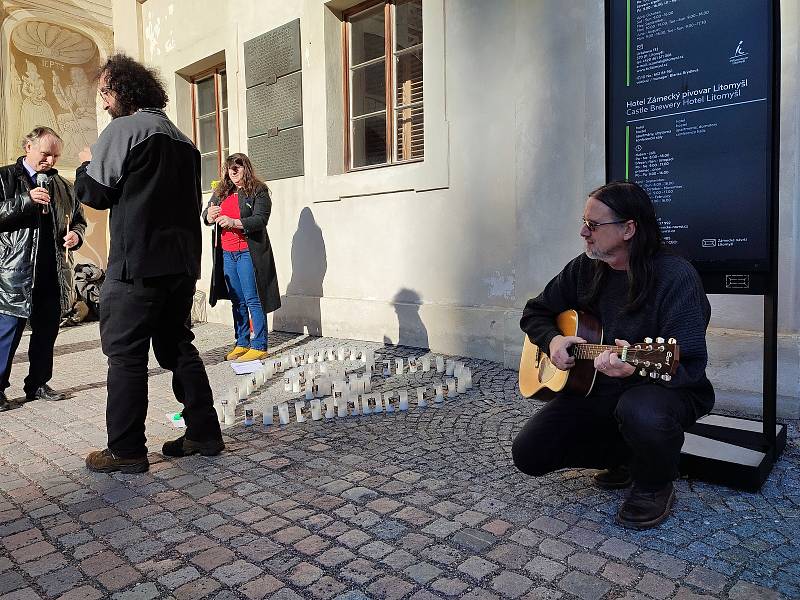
(676, 307)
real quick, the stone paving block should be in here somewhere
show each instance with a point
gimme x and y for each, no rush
(617, 548)
(260, 587)
(100, 563)
(555, 548)
(586, 562)
(21, 539)
(212, 558)
(354, 538)
(326, 587)
(390, 588)
(583, 537)
(142, 591)
(10, 581)
(542, 593)
(57, 582)
(743, 590)
(471, 518)
(236, 572)
(399, 559)
(179, 577)
(197, 589)
(512, 556)
(359, 571)
(544, 568)
(290, 535)
(286, 594)
(22, 594)
(85, 592)
(586, 587)
(620, 574)
(549, 525)
(422, 572)
(687, 594)
(477, 567)
(511, 585)
(48, 563)
(663, 563)
(706, 579)
(655, 586)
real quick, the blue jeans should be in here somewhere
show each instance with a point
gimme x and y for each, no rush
(9, 329)
(241, 279)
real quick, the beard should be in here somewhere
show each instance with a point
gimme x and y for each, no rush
(596, 253)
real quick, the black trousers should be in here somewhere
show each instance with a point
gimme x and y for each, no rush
(644, 427)
(132, 313)
(45, 319)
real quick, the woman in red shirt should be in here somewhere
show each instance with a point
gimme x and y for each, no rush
(244, 268)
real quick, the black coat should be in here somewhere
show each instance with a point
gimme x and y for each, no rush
(254, 213)
(19, 237)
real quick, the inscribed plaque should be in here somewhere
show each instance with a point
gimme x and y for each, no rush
(279, 105)
(272, 54)
(277, 157)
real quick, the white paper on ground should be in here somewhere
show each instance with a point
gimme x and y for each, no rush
(243, 368)
(176, 419)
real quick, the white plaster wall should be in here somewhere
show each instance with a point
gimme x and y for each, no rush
(514, 140)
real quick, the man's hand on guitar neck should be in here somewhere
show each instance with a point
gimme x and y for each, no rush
(559, 350)
(610, 365)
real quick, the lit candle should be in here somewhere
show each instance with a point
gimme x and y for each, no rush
(421, 402)
(387, 401)
(450, 366)
(426, 364)
(378, 404)
(438, 398)
(296, 385)
(341, 407)
(461, 384)
(387, 369)
(309, 392)
(403, 400)
(283, 413)
(242, 391)
(299, 405)
(267, 418)
(248, 416)
(340, 353)
(329, 406)
(365, 409)
(354, 399)
(439, 364)
(412, 364)
(451, 388)
(230, 414)
(399, 366)
(287, 383)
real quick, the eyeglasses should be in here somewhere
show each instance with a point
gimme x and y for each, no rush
(235, 167)
(592, 226)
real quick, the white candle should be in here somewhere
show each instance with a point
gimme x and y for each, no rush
(267, 418)
(283, 413)
(421, 402)
(399, 366)
(365, 409)
(316, 410)
(387, 401)
(287, 383)
(403, 400)
(296, 385)
(309, 392)
(329, 406)
(341, 407)
(412, 364)
(451, 388)
(299, 405)
(220, 409)
(340, 353)
(439, 364)
(438, 398)
(230, 414)
(354, 400)
(461, 385)
(378, 404)
(241, 391)
(387, 370)
(450, 366)
(468, 374)
(367, 382)
(248, 416)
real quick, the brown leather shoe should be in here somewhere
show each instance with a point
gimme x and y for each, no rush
(613, 479)
(104, 461)
(644, 509)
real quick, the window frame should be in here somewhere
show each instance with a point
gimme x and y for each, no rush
(216, 72)
(390, 56)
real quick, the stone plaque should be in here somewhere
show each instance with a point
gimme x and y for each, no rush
(277, 157)
(279, 105)
(272, 54)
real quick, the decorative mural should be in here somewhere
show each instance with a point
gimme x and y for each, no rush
(48, 72)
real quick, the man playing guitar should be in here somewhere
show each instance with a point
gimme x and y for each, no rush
(630, 426)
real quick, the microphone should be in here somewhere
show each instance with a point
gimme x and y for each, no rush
(43, 181)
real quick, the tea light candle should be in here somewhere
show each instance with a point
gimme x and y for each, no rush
(268, 412)
(283, 413)
(403, 400)
(316, 410)
(439, 364)
(299, 405)
(426, 364)
(449, 369)
(421, 402)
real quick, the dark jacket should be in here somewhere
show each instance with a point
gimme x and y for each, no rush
(148, 174)
(19, 237)
(254, 214)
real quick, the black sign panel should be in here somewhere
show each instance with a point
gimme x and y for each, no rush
(272, 54)
(279, 105)
(278, 156)
(690, 107)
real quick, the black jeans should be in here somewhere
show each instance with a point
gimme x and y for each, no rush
(643, 426)
(132, 313)
(45, 318)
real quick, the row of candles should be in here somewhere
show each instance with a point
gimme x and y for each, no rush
(322, 381)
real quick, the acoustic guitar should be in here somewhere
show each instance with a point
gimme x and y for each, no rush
(540, 378)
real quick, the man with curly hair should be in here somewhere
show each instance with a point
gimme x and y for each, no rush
(147, 173)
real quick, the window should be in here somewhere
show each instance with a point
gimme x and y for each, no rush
(385, 116)
(210, 104)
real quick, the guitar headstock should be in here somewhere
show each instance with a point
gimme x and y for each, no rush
(657, 358)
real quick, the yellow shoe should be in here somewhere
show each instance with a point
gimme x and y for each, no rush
(253, 354)
(236, 353)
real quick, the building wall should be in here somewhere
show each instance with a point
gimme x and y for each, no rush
(49, 52)
(446, 252)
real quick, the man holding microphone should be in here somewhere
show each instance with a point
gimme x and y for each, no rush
(40, 221)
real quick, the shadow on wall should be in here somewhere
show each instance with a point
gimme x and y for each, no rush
(412, 331)
(300, 306)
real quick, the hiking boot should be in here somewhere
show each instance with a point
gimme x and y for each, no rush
(613, 479)
(644, 509)
(104, 461)
(184, 447)
(253, 354)
(236, 353)
(4, 403)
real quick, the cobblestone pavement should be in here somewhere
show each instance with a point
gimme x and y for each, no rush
(423, 504)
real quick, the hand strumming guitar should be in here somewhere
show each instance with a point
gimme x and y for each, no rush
(610, 365)
(559, 350)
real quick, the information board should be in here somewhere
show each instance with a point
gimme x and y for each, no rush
(691, 99)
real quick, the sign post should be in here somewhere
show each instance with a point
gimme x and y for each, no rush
(692, 115)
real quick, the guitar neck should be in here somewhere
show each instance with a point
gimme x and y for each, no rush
(592, 351)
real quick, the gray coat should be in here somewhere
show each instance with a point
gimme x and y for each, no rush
(254, 214)
(19, 238)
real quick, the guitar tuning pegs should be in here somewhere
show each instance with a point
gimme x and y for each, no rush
(648, 340)
(654, 375)
(659, 340)
(672, 341)
(643, 373)
(658, 366)
(666, 377)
